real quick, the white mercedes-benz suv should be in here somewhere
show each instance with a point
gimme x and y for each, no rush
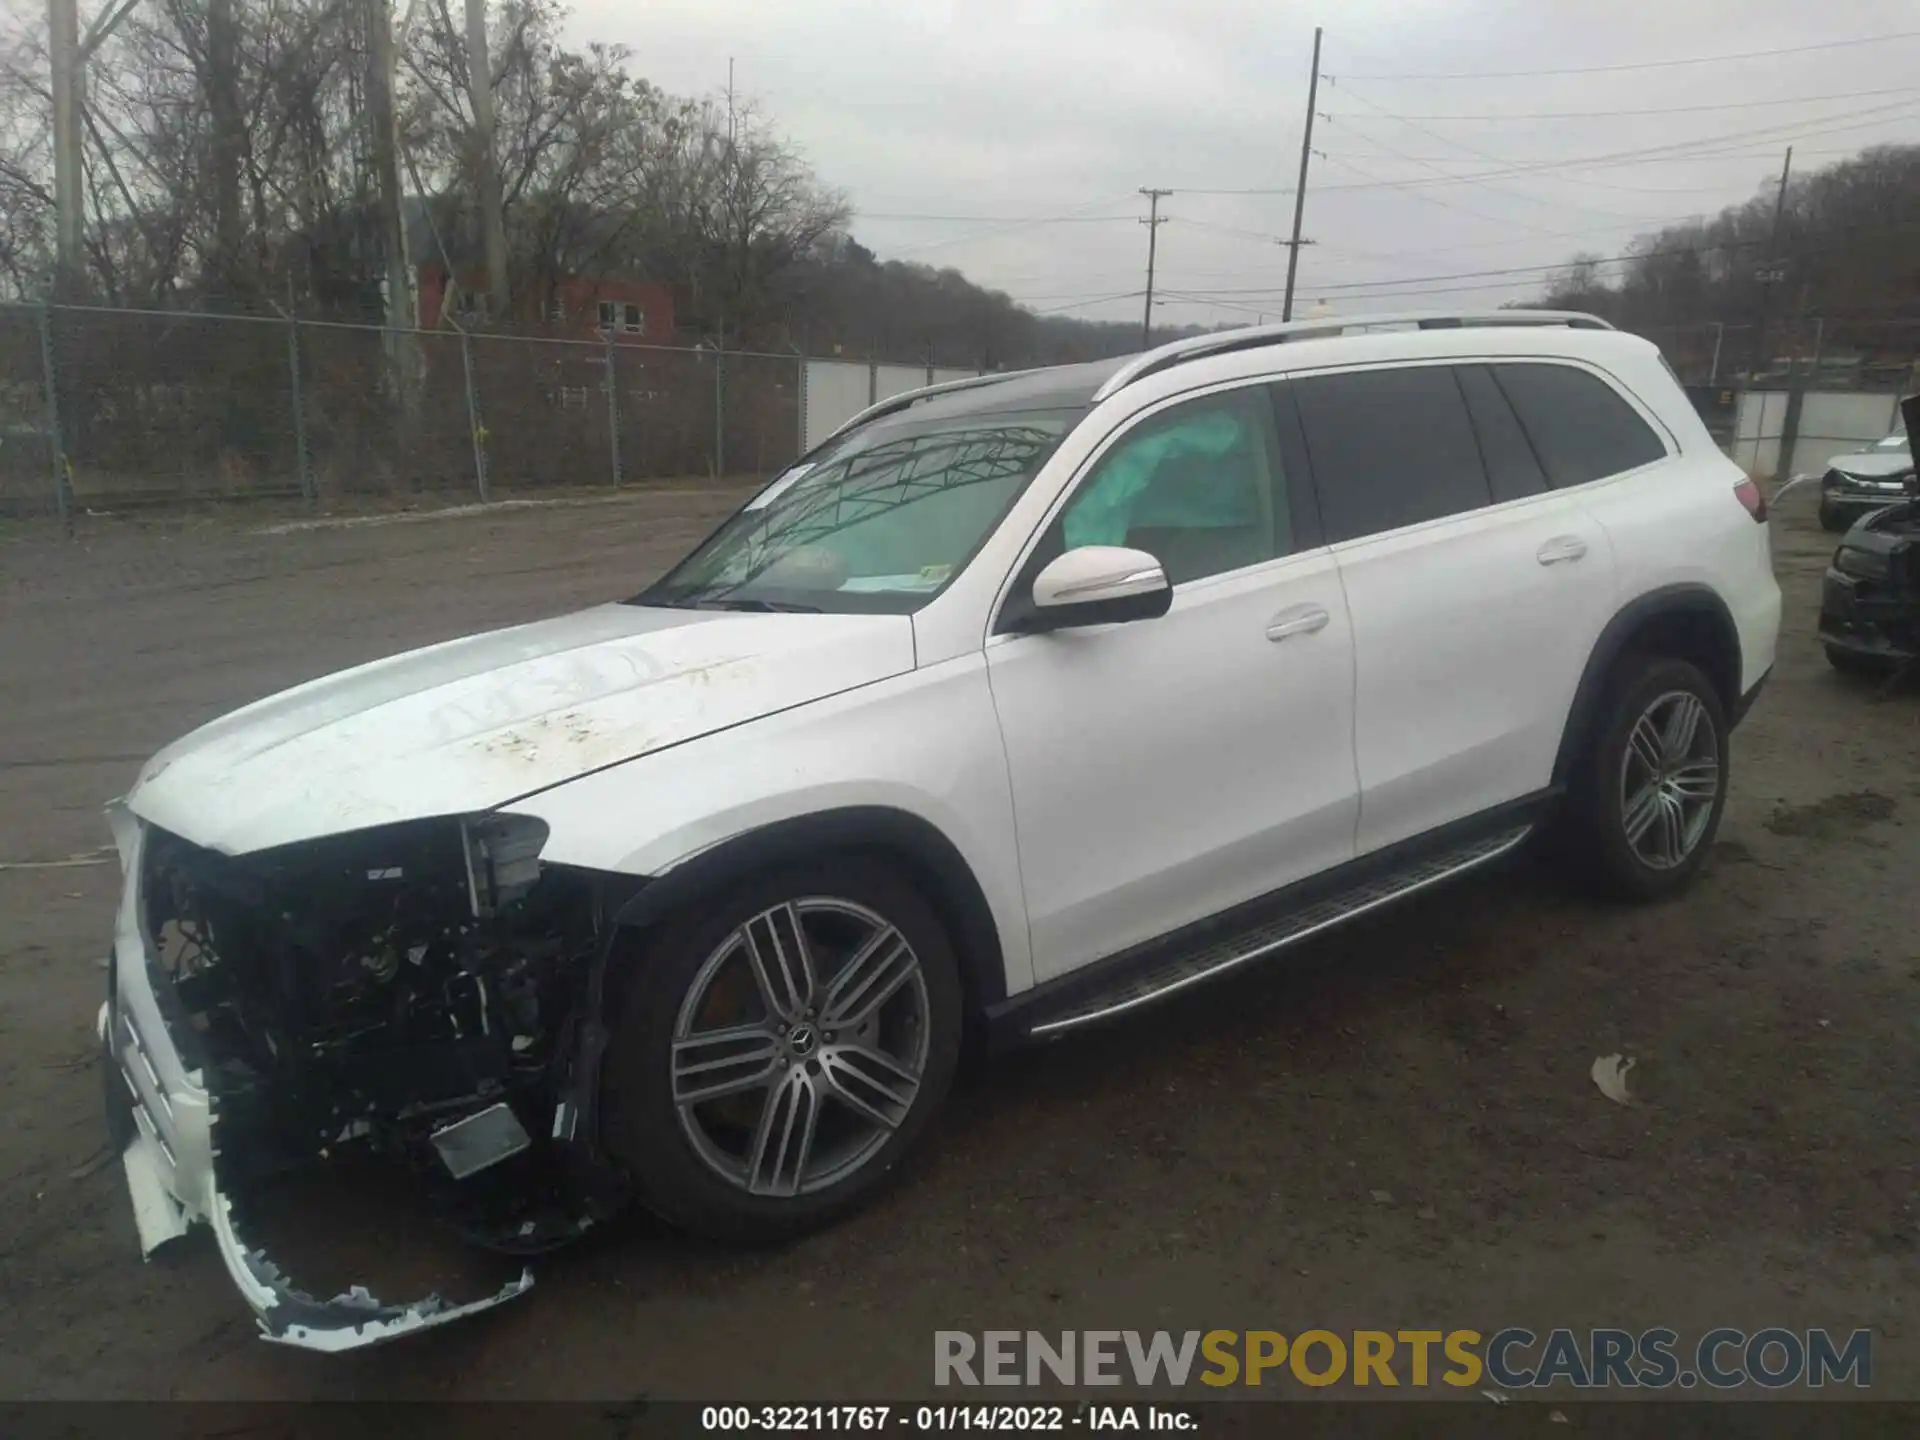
(1017, 705)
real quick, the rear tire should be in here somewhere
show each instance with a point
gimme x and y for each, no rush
(1833, 519)
(1645, 801)
(753, 1097)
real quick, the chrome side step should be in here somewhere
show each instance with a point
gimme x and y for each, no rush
(1219, 955)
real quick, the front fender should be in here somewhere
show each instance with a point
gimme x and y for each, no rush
(925, 745)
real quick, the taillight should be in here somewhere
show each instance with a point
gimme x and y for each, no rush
(1747, 492)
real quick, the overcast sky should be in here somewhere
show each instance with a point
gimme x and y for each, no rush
(954, 128)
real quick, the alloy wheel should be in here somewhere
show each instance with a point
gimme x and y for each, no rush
(800, 1046)
(1669, 779)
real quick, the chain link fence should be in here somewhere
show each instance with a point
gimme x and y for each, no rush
(107, 409)
(1839, 352)
(116, 410)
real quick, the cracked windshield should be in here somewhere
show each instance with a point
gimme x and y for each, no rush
(880, 523)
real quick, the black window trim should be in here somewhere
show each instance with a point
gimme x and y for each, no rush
(1368, 367)
(1480, 440)
(1284, 383)
(1287, 450)
(1669, 443)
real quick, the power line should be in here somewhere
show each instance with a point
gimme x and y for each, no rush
(1502, 191)
(1365, 289)
(1645, 64)
(1648, 160)
(1585, 179)
(1262, 236)
(1004, 229)
(995, 219)
(1479, 154)
(1186, 190)
(1091, 300)
(1828, 99)
(1744, 139)
(1374, 181)
(1724, 148)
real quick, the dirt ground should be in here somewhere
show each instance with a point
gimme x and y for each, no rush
(1396, 1128)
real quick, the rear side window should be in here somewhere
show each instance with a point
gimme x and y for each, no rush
(1580, 427)
(1513, 470)
(1389, 448)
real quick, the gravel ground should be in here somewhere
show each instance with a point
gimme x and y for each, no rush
(1396, 1128)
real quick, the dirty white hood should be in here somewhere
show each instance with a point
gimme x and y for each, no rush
(475, 723)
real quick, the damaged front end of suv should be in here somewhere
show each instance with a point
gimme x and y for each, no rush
(1870, 600)
(426, 992)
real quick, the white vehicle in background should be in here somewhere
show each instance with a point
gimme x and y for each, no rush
(1866, 480)
(1017, 705)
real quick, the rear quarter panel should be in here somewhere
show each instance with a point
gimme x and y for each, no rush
(1680, 522)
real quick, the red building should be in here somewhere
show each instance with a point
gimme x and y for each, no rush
(577, 307)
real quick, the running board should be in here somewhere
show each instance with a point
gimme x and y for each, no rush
(1218, 954)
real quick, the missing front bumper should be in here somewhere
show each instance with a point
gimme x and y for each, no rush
(167, 1159)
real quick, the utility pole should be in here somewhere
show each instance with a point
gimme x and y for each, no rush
(68, 52)
(1771, 270)
(1300, 190)
(493, 228)
(229, 126)
(1153, 222)
(390, 197)
(63, 44)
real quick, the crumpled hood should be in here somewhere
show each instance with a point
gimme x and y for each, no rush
(475, 723)
(1872, 465)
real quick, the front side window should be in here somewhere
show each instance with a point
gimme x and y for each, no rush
(1390, 448)
(1194, 486)
(1580, 427)
(881, 522)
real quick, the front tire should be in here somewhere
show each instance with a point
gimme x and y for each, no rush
(1647, 799)
(778, 1053)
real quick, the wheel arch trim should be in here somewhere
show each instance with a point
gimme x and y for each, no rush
(958, 897)
(1616, 639)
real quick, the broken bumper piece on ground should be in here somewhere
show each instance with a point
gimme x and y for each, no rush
(290, 1316)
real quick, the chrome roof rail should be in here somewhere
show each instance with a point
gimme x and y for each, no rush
(1252, 336)
(895, 403)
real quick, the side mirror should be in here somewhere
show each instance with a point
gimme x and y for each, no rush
(1099, 585)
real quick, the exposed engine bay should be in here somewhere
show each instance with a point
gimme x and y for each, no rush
(421, 990)
(1870, 603)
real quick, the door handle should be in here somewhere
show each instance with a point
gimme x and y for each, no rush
(1560, 548)
(1297, 620)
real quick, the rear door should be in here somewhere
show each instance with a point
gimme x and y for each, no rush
(1475, 590)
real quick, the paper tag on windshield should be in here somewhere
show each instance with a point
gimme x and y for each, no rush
(774, 491)
(935, 574)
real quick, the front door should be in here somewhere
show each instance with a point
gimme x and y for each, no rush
(1166, 769)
